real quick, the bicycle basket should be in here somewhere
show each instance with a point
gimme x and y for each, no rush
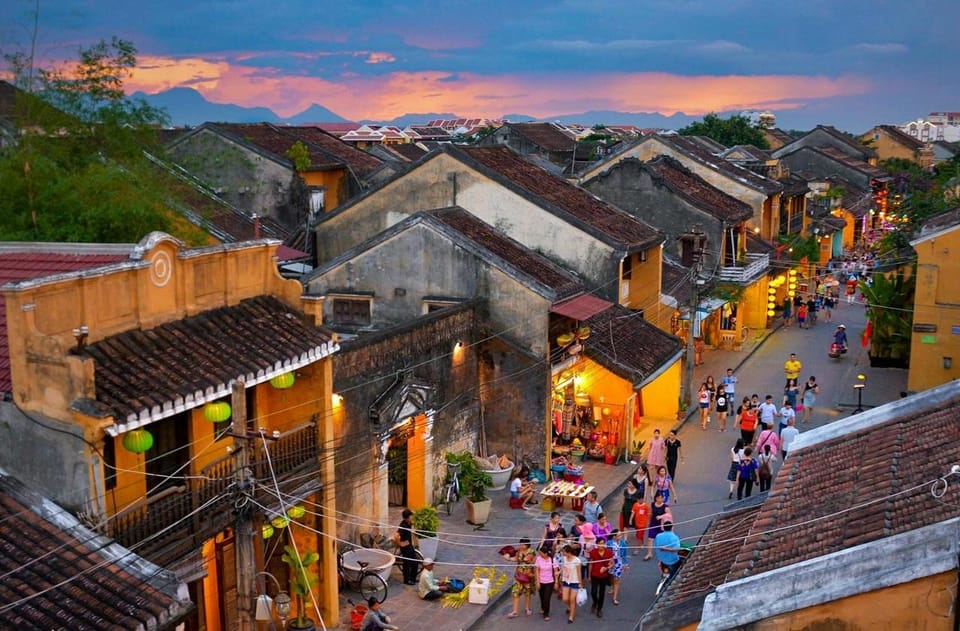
(453, 468)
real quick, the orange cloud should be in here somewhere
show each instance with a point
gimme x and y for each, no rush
(393, 94)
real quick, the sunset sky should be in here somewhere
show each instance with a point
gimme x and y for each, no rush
(850, 63)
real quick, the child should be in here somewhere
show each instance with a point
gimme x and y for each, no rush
(620, 562)
(640, 520)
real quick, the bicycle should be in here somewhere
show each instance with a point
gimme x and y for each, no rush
(451, 491)
(416, 555)
(367, 582)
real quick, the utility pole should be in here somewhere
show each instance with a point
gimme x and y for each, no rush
(244, 508)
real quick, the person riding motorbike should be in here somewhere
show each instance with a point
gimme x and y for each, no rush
(840, 337)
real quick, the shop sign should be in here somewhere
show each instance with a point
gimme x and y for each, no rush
(924, 328)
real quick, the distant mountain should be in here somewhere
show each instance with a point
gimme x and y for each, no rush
(640, 119)
(186, 106)
(315, 114)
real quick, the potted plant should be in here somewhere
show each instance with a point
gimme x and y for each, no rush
(638, 450)
(610, 454)
(682, 410)
(426, 523)
(475, 483)
(302, 581)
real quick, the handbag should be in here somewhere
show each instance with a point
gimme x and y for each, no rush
(521, 577)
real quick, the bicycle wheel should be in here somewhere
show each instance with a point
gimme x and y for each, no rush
(448, 499)
(372, 586)
(419, 557)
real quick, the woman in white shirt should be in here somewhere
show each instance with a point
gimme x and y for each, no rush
(736, 452)
(570, 579)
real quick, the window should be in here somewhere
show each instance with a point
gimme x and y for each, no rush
(109, 463)
(627, 263)
(347, 311)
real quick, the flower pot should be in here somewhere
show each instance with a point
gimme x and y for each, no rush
(478, 512)
(500, 477)
(428, 546)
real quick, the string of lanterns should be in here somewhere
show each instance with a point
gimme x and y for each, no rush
(790, 280)
(282, 521)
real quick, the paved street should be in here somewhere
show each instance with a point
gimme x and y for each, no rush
(701, 479)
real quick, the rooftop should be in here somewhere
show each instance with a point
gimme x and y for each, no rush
(629, 346)
(272, 140)
(545, 135)
(697, 190)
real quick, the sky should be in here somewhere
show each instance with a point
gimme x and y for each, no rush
(848, 63)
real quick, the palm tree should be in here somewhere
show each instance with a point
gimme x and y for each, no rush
(890, 312)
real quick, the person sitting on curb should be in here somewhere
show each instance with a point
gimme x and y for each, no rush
(522, 489)
(375, 620)
(429, 588)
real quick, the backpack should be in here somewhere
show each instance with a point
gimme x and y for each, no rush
(765, 473)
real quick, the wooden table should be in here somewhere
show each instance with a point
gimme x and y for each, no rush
(560, 490)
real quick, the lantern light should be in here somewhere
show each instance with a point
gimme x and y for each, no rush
(283, 381)
(793, 272)
(565, 340)
(772, 291)
(296, 512)
(791, 293)
(217, 412)
(771, 313)
(280, 521)
(138, 441)
(266, 531)
(583, 333)
(781, 279)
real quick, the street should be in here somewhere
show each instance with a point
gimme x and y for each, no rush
(701, 483)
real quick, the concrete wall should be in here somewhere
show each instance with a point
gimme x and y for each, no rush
(823, 166)
(937, 303)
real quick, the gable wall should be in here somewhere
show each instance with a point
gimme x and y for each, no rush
(824, 166)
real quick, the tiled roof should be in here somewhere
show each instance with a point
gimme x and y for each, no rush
(903, 138)
(273, 141)
(544, 135)
(709, 144)
(31, 263)
(146, 375)
(361, 162)
(754, 153)
(338, 129)
(730, 169)
(850, 142)
(73, 578)
(615, 225)
(627, 345)
(563, 283)
(675, 282)
(780, 135)
(850, 161)
(694, 188)
(436, 133)
(409, 151)
(947, 219)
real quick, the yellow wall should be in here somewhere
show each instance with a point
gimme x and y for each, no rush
(888, 148)
(937, 303)
(335, 183)
(643, 287)
(661, 397)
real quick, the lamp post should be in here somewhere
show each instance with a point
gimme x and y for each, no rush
(266, 605)
(859, 386)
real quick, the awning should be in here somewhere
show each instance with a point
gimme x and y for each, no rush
(582, 307)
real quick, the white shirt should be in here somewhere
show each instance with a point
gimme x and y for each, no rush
(570, 570)
(515, 485)
(786, 414)
(767, 412)
(786, 437)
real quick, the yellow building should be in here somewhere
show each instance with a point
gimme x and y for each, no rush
(935, 343)
(125, 367)
(891, 143)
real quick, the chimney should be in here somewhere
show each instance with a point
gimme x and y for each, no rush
(256, 226)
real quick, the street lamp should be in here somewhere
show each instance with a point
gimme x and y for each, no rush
(266, 605)
(859, 386)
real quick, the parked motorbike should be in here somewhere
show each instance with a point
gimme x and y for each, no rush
(837, 350)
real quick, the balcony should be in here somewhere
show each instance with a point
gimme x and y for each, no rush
(175, 522)
(754, 266)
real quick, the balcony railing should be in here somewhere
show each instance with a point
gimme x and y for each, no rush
(755, 265)
(170, 524)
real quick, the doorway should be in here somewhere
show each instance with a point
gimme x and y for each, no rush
(397, 471)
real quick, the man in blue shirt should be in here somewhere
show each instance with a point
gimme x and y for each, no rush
(667, 547)
(729, 382)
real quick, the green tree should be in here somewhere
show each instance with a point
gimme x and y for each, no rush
(890, 310)
(79, 171)
(736, 130)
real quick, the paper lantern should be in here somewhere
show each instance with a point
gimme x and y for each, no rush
(771, 313)
(266, 531)
(283, 381)
(791, 293)
(296, 512)
(793, 272)
(565, 340)
(137, 441)
(280, 521)
(606, 411)
(781, 279)
(772, 291)
(217, 412)
(792, 286)
(583, 332)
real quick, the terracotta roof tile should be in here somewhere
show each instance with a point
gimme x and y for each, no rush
(850, 161)
(699, 191)
(273, 141)
(26, 265)
(615, 225)
(137, 371)
(563, 283)
(903, 138)
(730, 169)
(361, 162)
(72, 577)
(627, 345)
(545, 135)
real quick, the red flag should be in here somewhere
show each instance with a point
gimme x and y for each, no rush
(867, 333)
(803, 261)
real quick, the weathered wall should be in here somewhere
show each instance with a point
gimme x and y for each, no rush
(937, 303)
(824, 166)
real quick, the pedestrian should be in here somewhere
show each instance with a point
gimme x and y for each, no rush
(792, 367)
(603, 527)
(765, 462)
(712, 387)
(722, 406)
(787, 436)
(403, 539)
(428, 587)
(630, 497)
(524, 577)
(570, 580)
(656, 451)
(809, 397)
(547, 575)
(663, 484)
(592, 508)
(828, 304)
(703, 400)
(736, 452)
(376, 619)
(786, 413)
(747, 420)
(811, 312)
(767, 412)
(746, 474)
(802, 315)
(552, 531)
(851, 289)
(659, 512)
(642, 479)
(640, 521)
(673, 453)
(601, 562)
(729, 382)
(698, 347)
(621, 561)
(768, 437)
(786, 312)
(520, 490)
(790, 392)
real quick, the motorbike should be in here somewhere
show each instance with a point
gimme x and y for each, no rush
(665, 576)
(837, 350)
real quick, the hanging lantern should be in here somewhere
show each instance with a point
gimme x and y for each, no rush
(217, 412)
(793, 272)
(565, 340)
(771, 313)
(772, 291)
(606, 411)
(283, 381)
(792, 286)
(280, 521)
(137, 441)
(266, 531)
(583, 333)
(296, 512)
(781, 279)
(791, 293)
